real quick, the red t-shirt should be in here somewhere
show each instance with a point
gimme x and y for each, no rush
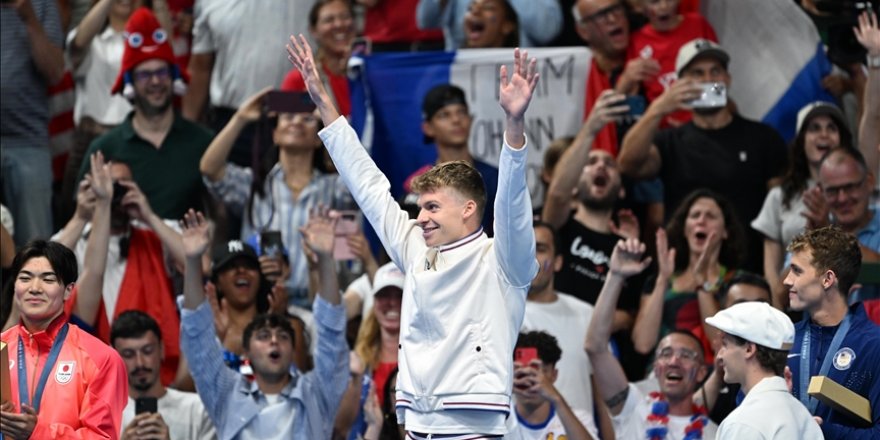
(380, 378)
(663, 47)
(597, 82)
(395, 22)
(293, 82)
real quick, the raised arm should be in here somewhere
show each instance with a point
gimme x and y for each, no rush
(868, 34)
(45, 39)
(299, 52)
(213, 163)
(575, 158)
(196, 238)
(646, 330)
(318, 235)
(138, 207)
(610, 378)
(514, 234)
(90, 26)
(85, 209)
(91, 284)
(639, 157)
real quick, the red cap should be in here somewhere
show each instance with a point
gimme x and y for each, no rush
(145, 40)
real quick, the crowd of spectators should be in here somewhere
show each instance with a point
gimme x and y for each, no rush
(193, 231)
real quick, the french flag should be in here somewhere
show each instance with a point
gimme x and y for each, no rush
(777, 59)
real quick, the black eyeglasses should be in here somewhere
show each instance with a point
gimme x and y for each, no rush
(144, 76)
(604, 15)
(849, 188)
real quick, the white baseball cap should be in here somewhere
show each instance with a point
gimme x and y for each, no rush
(697, 48)
(756, 322)
(387, 276)
(820, 108)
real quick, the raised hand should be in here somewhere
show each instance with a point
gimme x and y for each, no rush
(135, 202)
(636, 71)
(868, 33)
(677, 96)
(626, 259)
(708, 258)
(627, 225)
(299, 53)
(251, 109)
(665, 255)
(278, 299)
(99, 178)
(318, 233)
(607, 108)
(516, 92)
(196, 234)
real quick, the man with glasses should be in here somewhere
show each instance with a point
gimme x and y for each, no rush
(604, 27)
(846, 183)
(678, 365)
(162, 148)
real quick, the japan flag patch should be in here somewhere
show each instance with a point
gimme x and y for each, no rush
(64, 372)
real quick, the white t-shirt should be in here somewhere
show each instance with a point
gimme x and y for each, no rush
(183, 413)
(567, 320)
(95, 76)
(632, 422)
(551, 429)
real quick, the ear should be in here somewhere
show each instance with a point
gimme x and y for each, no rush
(829, 279)
(68, 290)
(582, 32)
(427, 129)
(507, 27)
(702, 372)
(470, 208)
(557, 263)
(751, 350)
(553, 375)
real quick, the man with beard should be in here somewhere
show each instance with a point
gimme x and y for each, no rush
(136, 274)
(138, 340)
(718, 149)
(678, 365)
(162, 148)
(588, 234)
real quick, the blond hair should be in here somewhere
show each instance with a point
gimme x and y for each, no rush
(369, 340)
(458, 175)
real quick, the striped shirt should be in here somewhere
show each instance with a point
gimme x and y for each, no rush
(24, 108)
(278, 210)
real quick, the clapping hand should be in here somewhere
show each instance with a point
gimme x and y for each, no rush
(665, 256)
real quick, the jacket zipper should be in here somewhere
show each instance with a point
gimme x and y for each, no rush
(34, 378)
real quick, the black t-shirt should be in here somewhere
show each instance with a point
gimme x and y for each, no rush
(585, 256)
(735, 161)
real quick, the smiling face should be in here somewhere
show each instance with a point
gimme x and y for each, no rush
(662, 14)
(821, 135)
(143, 360)
(334, 28)
(239, 282)
(442, 216)
(386, 307)
(678, 366)
(488, 24)
(296, 131)
(806, 284)
(270, 352)
(703, 218)
(39, 292)
(600, 185)
(603, 26)
(152, 86)
(847, 191)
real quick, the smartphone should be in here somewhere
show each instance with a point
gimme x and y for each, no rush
(525, 355)
(278, 101)
(271, 244)
(346, 225)
(713, 95)
(118, 193)
(146, 405)
(636, 104)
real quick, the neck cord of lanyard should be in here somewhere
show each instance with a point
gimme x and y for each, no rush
(23, 396)
(806, 358)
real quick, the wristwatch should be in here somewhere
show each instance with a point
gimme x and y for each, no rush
(710, 287)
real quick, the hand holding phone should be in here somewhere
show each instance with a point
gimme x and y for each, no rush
(525, 355)
(146, 405)
(346, 225)
(712, 95)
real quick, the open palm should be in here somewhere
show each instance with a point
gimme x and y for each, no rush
(196, 234)
(868, 33)
(516, 91)
(318, 233)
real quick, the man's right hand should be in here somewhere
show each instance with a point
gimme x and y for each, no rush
(607, 108)
(677, 97)
(196, 234)
(626, 260)
(146, 426)
(637, 70)
(85, 201)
